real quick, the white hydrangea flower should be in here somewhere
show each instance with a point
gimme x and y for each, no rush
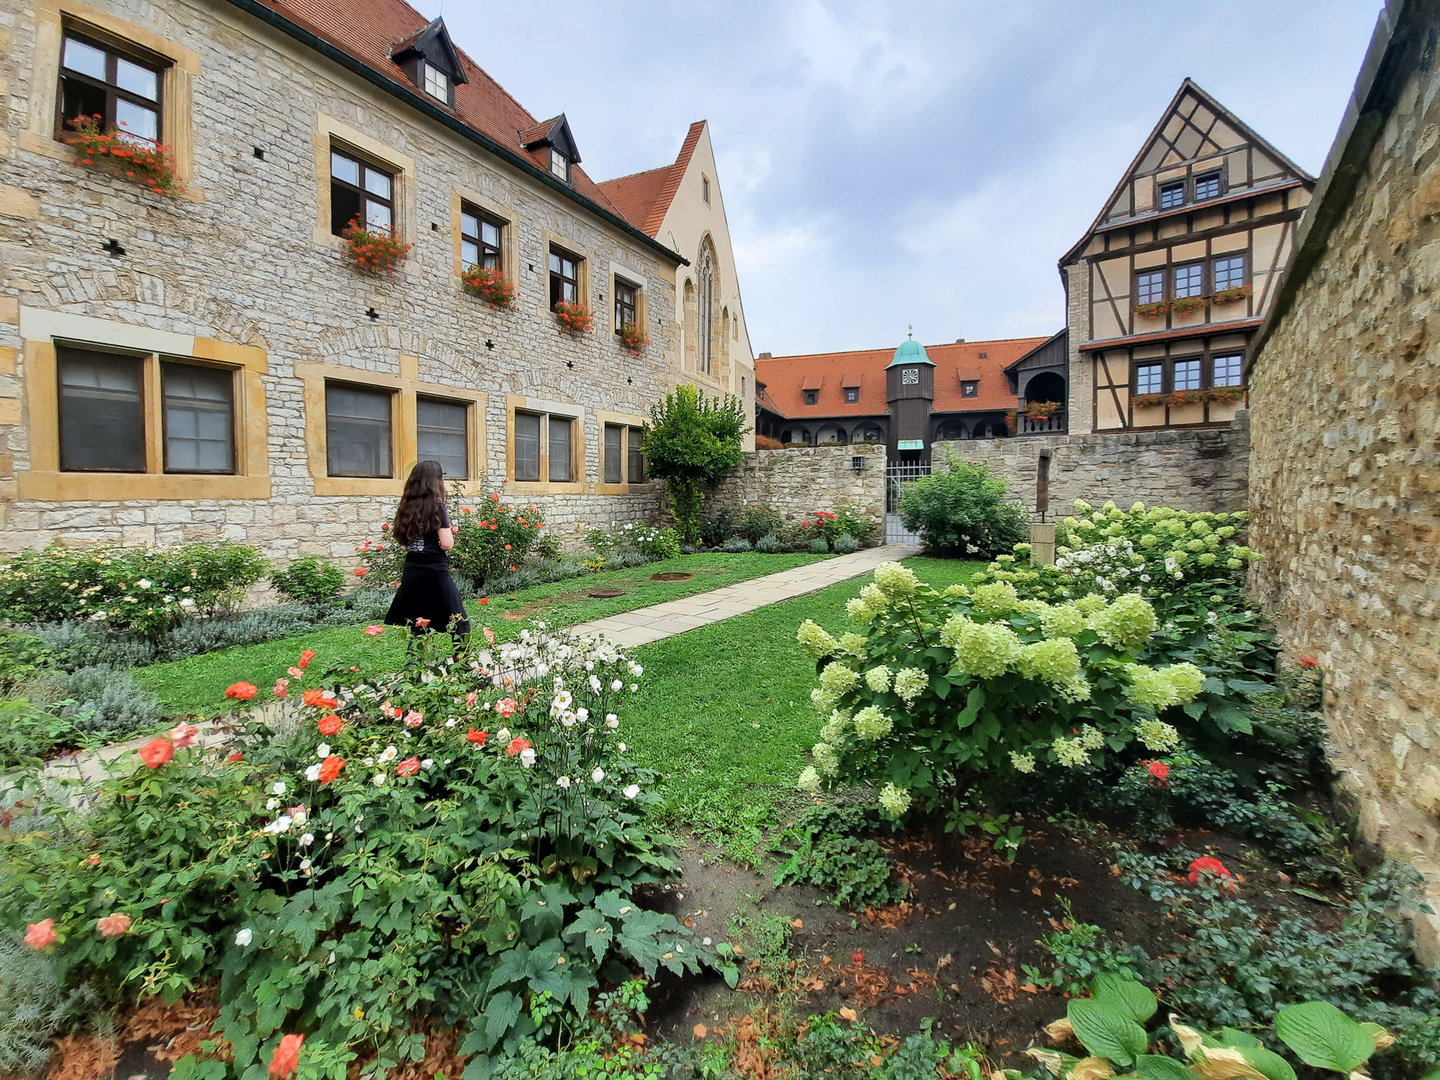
(872, 725)
(809, 779)
(910, 683)
(1070, 753)
(1023, 763)
(878, 679)
(1091, 737)
(893, 800)
(896, 581)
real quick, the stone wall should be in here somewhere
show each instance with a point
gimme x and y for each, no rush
(1188, 469)
(1345, 472)
(244, 261)
(799, 481)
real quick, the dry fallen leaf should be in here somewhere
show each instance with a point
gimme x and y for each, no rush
(849, 1014)
(797, 924)
(701, 1031)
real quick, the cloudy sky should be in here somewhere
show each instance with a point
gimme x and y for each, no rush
(887, 162)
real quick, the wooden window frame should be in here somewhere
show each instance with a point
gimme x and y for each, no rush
(1174, 279)
(852, 394)
(390, 394)
(483, 218)
(705, 188)
(234, 419)
(556, 293)
(114, 50)
(630, 430)
(1160, 188)
(811, 397)
(1219, 175)
(969, 388)
(516, 404)
(619, 285)
(469, 407)
(425, 69)
(144, 385)
(634, 451)
(1211, 357)
(1146, 271)
(364, 163)
(1136, 365)
(1215, 260)
(620, 463)
(556, 155)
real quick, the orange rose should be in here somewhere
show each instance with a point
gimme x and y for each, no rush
(113, 925)
(330, 725)
(330, 768)
(157, 752)
(240, 691)
(318, 699)
(286, 1056)
(40, 935)
(476, 736)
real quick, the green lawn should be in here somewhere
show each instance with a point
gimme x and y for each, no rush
(197, 685)
(724, 711)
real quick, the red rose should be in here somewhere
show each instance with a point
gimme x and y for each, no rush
(330, 768)
(374, 630)
(422, 623)
(287, 1056)
(1307, 662)
(409, 767)
(476, 736)
(517, 745)
(360, 571)
(1160, 771)
(330, 725)
(241, 691)
(305, 658)
(157, 752)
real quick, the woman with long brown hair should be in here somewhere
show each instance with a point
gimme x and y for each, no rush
(427, 598)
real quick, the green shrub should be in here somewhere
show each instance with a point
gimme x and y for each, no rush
(547, 549)
(760, 521)
(139, 590)
(28, 734)
(846, 545)
(309, 580)
(692, 443)
(853, 521)
(720, 524)
(737, 544)
(769, 544)
(822, 850)
(492, 538)
(35, 1009)
(974, 687)
(1079, 951)
(818, 546)
(102, 703)
(409, 865)
(960, 512)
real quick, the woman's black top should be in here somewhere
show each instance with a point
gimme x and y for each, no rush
(431, 540)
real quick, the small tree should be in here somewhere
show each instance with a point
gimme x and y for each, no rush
(689, 443)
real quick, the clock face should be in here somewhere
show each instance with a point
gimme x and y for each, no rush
(910, 376)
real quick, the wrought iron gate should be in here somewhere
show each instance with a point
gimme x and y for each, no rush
(897, 475)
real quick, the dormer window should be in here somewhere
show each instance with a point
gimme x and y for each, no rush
(437, 84)
(970, 388)
(559, 165)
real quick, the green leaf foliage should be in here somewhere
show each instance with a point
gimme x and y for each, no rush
(961, 511)
(1106, 1031)
(692, 442)
(1125, 995)
(1324, 1037)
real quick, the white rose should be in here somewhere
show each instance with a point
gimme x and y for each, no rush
(598, 774)
(245, 937)
(322, 751)
(632, 791)
(279, 788)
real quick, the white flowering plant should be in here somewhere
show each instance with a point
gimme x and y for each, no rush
(971, 686)
(1155, 552)
(453, 840)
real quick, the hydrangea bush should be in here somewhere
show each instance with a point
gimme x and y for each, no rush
(971, 685)
(1154, 552)
(459, 839)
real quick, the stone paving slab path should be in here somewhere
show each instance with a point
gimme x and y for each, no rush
(647, 624)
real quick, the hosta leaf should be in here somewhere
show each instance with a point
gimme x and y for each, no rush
(1125, 995)
(1106, 1031)
(1160, 1067)
(1324, 1036)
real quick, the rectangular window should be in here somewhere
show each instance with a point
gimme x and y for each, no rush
(1190, 280)
(442, 430)
(852, 395)
(812, 396)
(564, 277)
(626, 304)
(97, 80)
(199, 418)
(636, 447)
(705, 189)
(437, 84)
(1150, 379)
(1229, 272)
(102, 412)
(970, 388)
(1227, 370)
(480, 239)
(360, 192)
(527, 446)
(559, 165)
(1172, 194)
(1187, 375)
(560, 464)
(1150, 287)
(1207, 186)
(357, 431)
(614, 453)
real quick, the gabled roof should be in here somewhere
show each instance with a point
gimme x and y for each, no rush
(553, 132)
(360, 36)
(1056, 343)
(645, 197)
(784, 378)
(434, 44)
(1157, 151)
(763, 399)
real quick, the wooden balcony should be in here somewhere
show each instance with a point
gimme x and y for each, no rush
(1054, 424)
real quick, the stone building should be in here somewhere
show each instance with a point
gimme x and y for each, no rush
(907, 398)
(1171, 281)
(207, 364)
(1345, 466)
(681, 205)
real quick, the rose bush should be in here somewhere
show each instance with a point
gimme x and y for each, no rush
(455, 840)
(974, 685)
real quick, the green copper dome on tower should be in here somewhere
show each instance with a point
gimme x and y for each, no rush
(910, 352)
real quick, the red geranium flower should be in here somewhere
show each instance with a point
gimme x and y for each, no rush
(157, 752)
(1306, 661)
(409, 767)
(476, 736)
(286, 1056)
(330, 768)
(330, 725)
(360, 571)
(1210, 864)
(241, 691)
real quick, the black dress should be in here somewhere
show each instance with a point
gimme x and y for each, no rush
(427, 591)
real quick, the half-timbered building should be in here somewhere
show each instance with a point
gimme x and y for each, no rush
(1176, 273)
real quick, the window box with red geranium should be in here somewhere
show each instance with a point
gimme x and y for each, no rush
(1219, 395)
(373, 249)
(576, 318)
(1154, 310)
(1184, 305)
(633, 338)
(488, 285)
(1041, 410)
(1231, 296)
(113, 151)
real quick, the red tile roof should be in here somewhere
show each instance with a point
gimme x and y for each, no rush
(644, 197)
(786, 377)
(370, 29)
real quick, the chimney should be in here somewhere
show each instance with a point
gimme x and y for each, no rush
(763, 356)
(959, 341)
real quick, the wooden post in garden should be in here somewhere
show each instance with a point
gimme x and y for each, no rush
(1042, 532)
